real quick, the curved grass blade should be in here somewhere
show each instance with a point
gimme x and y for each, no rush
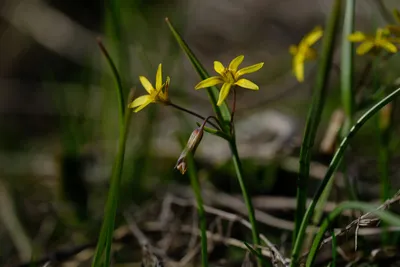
(333, 167)
(222, 112)
(385, 216)
(103, 249)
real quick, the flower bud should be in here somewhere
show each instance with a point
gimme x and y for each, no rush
(191, 146)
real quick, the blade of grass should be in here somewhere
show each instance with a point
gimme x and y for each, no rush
(222, 112)
(334, 248)
(314, 115)
(103, 249)
(347, 82)
(385, 216)
(333, 167)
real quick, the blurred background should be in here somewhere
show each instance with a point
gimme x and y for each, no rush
(59, 120)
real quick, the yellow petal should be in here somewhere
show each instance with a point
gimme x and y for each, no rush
(364, 47)
(357, 37)
(249, 69)
(146, 84)
(298, 68)
(293, 50)
(142, 107)
(313, 36)
(219, 68)
(235, 63)
(247, 84)
(224, 93)
(163, 94)
(388, 46)
(159, 77)
(209, 82)
(141, 102)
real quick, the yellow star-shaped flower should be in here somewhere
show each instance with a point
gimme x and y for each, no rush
(304, 52)
(230, 76)
(373, 44)
(156, 95)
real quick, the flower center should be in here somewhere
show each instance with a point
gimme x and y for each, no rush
(229, 76)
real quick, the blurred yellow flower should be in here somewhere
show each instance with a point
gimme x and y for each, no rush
(229, 77)
(304, 52)
(373, 44)
(156, 95)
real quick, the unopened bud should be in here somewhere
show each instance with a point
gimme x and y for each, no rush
(191, 146)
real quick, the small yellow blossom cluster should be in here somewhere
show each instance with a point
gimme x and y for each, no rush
(382, 40)
(386, 39)
(229, 77)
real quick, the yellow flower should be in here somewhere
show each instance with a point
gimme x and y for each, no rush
(373, 44)
(229, 77)
(304, 52)
(157, 95)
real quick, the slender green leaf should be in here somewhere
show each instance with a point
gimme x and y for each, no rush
(314, 115)
(103, 249)
(333, 167)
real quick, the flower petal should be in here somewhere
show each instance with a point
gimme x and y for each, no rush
(235, 63)
(219, 68)
(364, 47)
(209, 82)
(247, 84)
(249, 69)
(146, 84)
(163, 94)
(387, 45)
(159, 77)
(313, 36)
(141, 102)
(357, 37)
(298, 68)
(142, 107)
(226, 87)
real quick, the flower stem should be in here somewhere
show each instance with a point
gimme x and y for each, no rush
(247, 200)
(196, 115)
(194, 180)
(233, 105)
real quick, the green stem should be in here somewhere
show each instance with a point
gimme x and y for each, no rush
(107, 229)
(194, 180)
(103, 249)
(334, 248)
(385, 216)
(314, 115)
(247, 200)
(118, 84)
(331, 169)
